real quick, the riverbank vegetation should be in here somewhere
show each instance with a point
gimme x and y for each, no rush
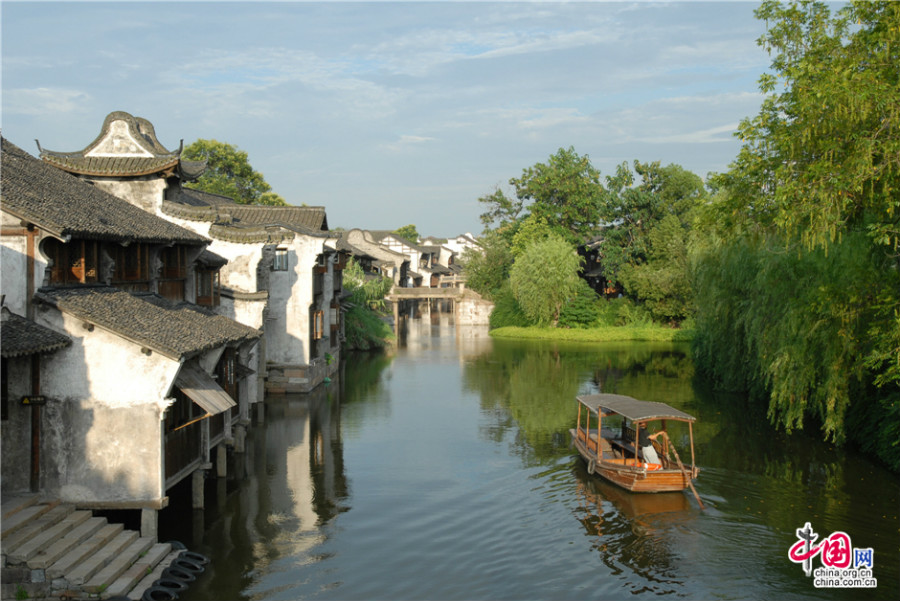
(650, 333)
(797, 278)
(784, 270)
(365, 327)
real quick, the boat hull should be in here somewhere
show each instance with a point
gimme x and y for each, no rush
(631, 477)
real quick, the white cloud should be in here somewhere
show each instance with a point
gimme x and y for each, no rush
(406, 142)
(43, 101)
(721, 133)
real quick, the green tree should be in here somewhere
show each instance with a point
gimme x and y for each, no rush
(230, 174)
(544, 278)
(564, 192)
(531, 229)
(663, 281)
(408, 232)
(487, 268)
(364, 327)
(501, 209)
(630, 212)
(797, 283)
(823, 154)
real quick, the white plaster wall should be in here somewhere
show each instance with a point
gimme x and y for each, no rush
(13, 265)
(460, 244)
(95, 363)
(290, 299)
(144, 193)
(247, 312)
(243, 259)
(103, 454)
(200, 227)
(118, 142)
(102, 435)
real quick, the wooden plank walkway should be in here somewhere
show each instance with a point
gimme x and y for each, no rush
(51, 550)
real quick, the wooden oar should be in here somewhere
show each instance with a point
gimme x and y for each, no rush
(683, 471)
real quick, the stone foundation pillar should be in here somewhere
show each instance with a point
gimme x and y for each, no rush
(149, 523)
(221, 460)
(197, 479)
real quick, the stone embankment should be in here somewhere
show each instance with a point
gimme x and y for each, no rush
(51, 550)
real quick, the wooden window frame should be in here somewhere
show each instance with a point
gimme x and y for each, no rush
(318, 325)
(212, 278)
(281, 262)
(174, 262)
(73, 262)
(132, 263)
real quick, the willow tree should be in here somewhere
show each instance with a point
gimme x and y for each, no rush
(801, 289)
(544, 278)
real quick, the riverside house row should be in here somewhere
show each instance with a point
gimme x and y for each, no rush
(142, 320)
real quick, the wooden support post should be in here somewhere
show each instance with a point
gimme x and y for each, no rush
(578, 423)
(693, 461)
(35, 424)
(587, 431)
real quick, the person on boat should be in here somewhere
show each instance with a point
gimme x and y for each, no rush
(645, 441)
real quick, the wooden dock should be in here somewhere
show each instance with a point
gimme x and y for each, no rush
(51, 550)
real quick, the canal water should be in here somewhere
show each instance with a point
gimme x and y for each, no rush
(443, 470)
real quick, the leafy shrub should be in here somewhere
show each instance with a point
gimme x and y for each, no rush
(582, 310)
(622, 311)
(507, 311)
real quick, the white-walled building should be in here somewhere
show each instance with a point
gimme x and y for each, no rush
(147, 383)
(283, 272)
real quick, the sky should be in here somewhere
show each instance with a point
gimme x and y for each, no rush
(391, 113)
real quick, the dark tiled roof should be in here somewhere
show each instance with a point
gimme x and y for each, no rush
(344, 245)
(110, 166)
(67, 206)
(212, 260)
(441, 270)
(20, 336)
(200, 198)
(236, 222)
(142, 133)
(312, 218)
(380, 235)
(173, 329)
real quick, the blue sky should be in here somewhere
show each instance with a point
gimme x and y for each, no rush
(391, 113)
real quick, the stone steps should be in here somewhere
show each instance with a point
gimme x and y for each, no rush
(53, 550)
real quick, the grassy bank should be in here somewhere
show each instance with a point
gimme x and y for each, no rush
(644, 333)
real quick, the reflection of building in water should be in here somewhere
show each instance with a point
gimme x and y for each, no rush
(289, 484)
(435, 326)
(305, 470)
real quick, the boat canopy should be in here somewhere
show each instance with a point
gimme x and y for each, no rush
(632, 409)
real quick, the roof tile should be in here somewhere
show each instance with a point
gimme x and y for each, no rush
(67, 206)
(173, 329)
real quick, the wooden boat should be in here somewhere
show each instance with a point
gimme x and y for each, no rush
(613, 452)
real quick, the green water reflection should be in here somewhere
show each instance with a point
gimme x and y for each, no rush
(340, 496)
(752, 475)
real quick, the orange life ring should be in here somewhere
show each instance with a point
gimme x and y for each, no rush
(652, 467)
